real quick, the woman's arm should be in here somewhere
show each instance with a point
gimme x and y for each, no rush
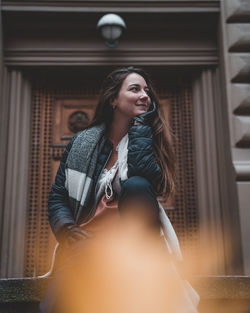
(59, 212)
(141, 161)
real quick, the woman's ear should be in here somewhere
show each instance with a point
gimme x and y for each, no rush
(112, 102)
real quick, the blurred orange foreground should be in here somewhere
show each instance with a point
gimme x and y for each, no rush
(125, 270)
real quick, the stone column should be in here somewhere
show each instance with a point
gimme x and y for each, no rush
(216, 190)
(16, 118)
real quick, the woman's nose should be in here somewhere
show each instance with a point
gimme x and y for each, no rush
(144, 96)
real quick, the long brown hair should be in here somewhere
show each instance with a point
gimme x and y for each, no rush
(162, 134)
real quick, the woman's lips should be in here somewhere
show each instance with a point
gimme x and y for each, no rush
(142, 105)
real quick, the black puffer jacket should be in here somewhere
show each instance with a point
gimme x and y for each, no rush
(141, 162)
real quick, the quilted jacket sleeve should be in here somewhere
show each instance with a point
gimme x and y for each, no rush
(59, 212)
(141, 160)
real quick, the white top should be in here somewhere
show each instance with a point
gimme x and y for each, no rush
(106, 182)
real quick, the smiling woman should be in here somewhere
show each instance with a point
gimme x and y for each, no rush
(111, 174)
(133, 98)
(130, 88)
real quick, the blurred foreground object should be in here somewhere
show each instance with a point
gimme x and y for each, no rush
(120, 272)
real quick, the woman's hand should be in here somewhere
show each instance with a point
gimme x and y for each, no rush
(71, 234)
(146, 118)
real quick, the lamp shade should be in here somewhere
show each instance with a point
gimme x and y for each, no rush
(111, 32)
(111, 27)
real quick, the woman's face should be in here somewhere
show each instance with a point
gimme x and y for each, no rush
(133, 98)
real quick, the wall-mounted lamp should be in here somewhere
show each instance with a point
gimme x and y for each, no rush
(111, 27)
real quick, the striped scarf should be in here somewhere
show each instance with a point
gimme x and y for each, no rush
(80, 168)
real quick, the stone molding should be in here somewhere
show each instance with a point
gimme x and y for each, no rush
(240, 67)
(237, 11)
(77, 57)
(238, 37)
(240, 97)
(242, 170)
(242, 131)
(117, 6)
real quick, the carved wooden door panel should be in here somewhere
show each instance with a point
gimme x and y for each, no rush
(70, 115)
(176, 107)
(58, 114)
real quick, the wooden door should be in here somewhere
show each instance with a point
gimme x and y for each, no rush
(57, 114)
(56, 117)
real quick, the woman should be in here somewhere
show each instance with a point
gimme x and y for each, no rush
(116, 167)
(125, 111)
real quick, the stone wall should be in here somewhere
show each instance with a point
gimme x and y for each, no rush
(235, 19)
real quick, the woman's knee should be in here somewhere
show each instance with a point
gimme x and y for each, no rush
(137, 197)
(137, 185)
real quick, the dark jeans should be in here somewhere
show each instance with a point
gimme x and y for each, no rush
(136, 200)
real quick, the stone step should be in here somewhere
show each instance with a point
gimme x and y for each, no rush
(219, 294)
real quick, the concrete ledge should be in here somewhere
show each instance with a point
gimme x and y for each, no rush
(19, 290)
(209, 287)
(219, 294)
(223, 287)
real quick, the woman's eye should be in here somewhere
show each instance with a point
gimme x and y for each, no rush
(134, 88)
